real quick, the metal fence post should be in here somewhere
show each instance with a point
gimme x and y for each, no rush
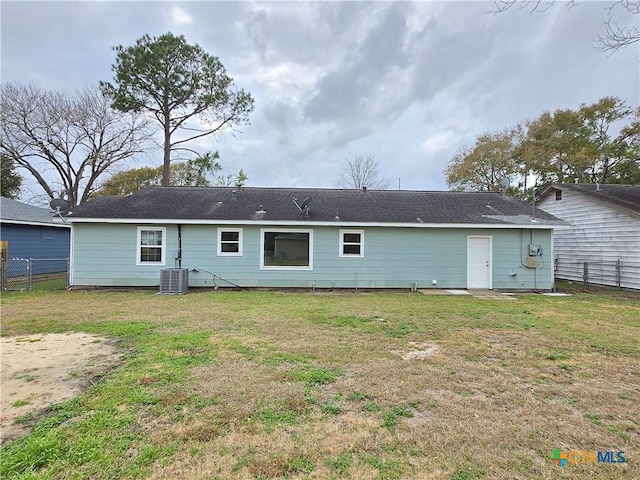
(30, 274)
(618, 274)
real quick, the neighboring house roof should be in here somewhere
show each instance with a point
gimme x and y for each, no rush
(619, 197)
(336, 206)
(12, 211)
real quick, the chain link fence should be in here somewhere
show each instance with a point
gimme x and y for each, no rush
(614, 273)
(20, 274)
(16, 274)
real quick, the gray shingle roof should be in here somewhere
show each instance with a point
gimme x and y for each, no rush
(253, 204)
(14, 211)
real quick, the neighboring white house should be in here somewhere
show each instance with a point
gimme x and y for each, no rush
(603, 242)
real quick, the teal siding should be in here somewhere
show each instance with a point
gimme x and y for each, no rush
(105, 255)
(393, 258)
(510, 249)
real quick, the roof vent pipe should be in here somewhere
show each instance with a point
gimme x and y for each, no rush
(234, 194)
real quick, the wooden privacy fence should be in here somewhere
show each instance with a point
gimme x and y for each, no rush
(613, 273)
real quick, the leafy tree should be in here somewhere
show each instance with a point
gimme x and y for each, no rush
(615, 35)
(484, 166)
(11, 181)
(67, 142)
(627, 148)
(192, 173)
(598, 143)
(613, 154)
(235, 179)
(557, 146)
(579, 145)
(130, 181)
(185, 89)
(362, 171)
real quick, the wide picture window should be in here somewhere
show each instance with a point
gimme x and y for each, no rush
(286, 249)
(151, 246)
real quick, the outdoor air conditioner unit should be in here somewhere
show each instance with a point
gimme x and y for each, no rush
(174, 280)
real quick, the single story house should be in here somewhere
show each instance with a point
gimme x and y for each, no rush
(32, 233)
(311, 238)
(602, 244)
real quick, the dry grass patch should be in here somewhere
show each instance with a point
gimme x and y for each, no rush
(418, 351)
(243, 385)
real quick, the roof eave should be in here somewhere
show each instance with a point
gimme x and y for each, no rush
(537, 224)
(35, 223)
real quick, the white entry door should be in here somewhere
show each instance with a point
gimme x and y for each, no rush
(479, 262)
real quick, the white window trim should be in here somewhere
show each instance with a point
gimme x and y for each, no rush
(285, 267)
(342, 244)
(229, 254)
(163, 247)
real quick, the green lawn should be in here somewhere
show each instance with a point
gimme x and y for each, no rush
(384, 385)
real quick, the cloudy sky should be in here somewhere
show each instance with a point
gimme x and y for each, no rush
(406, 82)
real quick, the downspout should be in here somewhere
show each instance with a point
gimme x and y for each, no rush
(72, 236)
(535, 270)
(178, 260)
(522, 247)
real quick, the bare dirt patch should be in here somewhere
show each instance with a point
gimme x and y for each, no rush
(418, 351)
(41, 370)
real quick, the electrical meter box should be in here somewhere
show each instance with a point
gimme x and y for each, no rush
(535, 250)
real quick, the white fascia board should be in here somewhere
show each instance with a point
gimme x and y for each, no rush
(71, 257)
(36, 224)
(296, 223)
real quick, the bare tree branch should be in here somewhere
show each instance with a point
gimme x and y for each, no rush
(615, 37)
(532, 6)
(361, 171)
(67, 142)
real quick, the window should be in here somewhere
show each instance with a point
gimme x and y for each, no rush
(351, 243)
(151, 243)
(287, 249)
(230, 242)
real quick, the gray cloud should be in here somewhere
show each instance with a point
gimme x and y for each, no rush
(409, 82)
(358, 87)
